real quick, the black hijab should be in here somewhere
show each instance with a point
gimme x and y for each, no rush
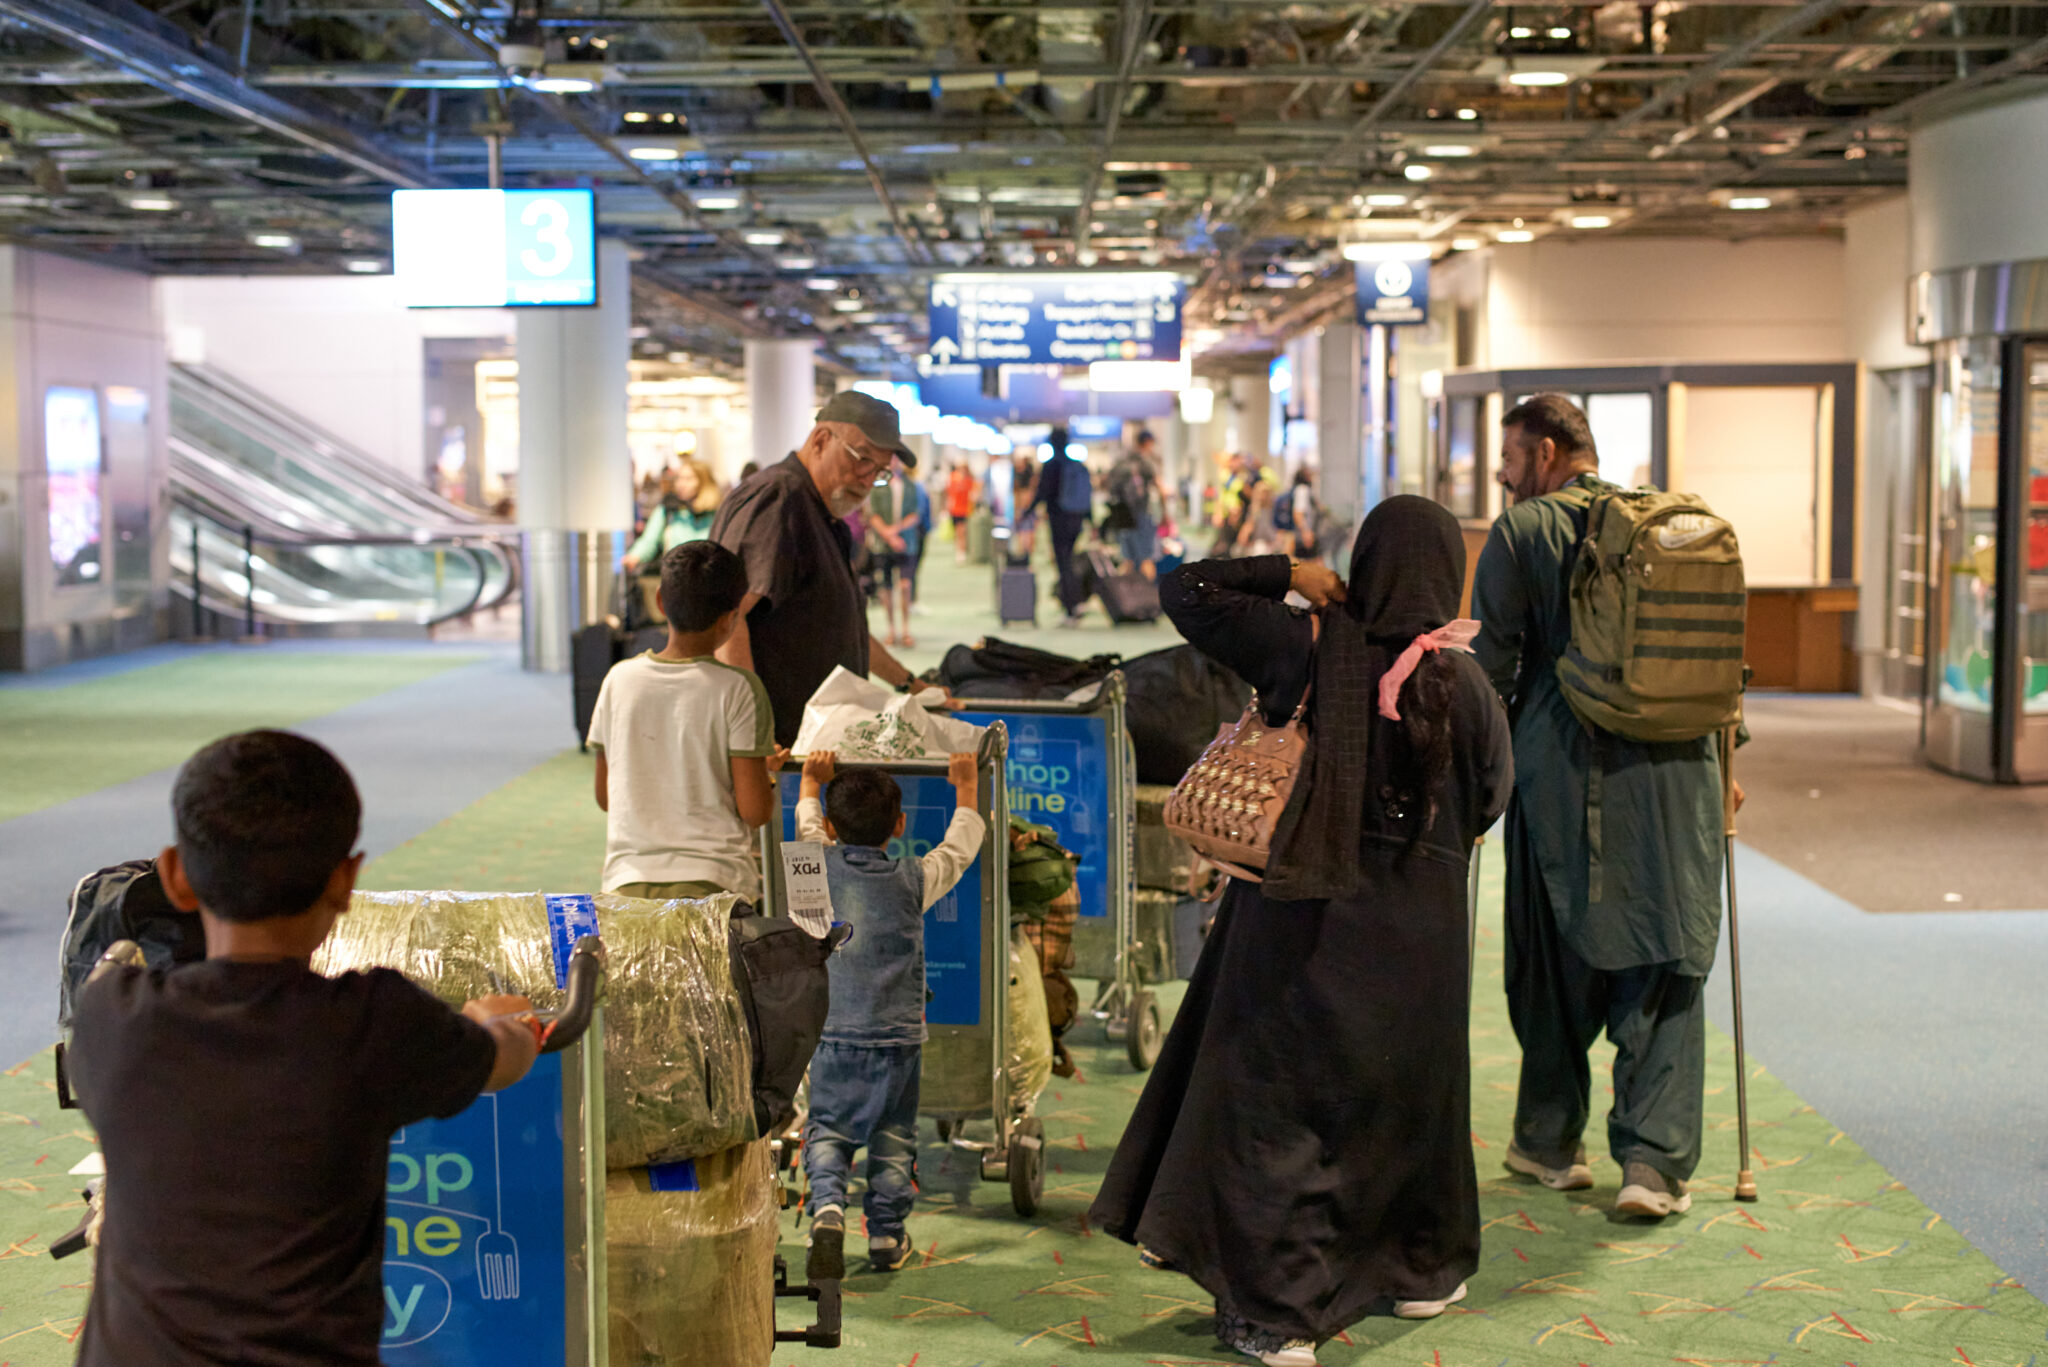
(1407, 577)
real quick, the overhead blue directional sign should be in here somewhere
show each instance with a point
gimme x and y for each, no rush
(1393, 291)
(1056, 319)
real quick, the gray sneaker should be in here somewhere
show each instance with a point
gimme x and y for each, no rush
(1649, 1193)
(1576, 1176)
(826, 1261)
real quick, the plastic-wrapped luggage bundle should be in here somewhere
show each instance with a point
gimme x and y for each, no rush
(955, 1077)
(677, 1064)
(692, 1273)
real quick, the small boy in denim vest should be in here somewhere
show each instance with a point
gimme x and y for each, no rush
(864, 1076)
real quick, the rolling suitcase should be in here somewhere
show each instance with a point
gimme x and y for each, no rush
(1017, 595)
(593, 650)
(1127, 596)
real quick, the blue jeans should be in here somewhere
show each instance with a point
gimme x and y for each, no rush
(864, 1096)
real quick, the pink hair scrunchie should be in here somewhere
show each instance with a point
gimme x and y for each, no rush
(1456, 635)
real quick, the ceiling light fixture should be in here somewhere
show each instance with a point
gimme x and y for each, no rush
(636, 116)
(562, 85)
(155, 204)
(1538, 78)
(1750, 202)
(795, 263)
(847, 306)
(1415, 170)
(1519, 32)
(1450, 149)
(1592, 221)
(364, 265)
(718, 201)
(1467, 244)
(1468, 114)
(277, 242)
(652, 153)
(821, 283)
(1386, 201)
(1514, 235)
(764, 237)
(1561, 34)
(1387, 251)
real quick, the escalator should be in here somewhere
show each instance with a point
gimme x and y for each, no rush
(276, 524)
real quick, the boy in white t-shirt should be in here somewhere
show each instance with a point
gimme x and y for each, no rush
(686, 745)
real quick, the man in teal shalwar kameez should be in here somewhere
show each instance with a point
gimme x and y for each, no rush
(1614, 856)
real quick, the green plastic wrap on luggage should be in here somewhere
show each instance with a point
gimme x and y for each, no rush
(955, 1078)
(678, 1066)
(691, 1274)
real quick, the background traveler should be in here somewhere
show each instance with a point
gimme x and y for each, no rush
(1614, 856)
(960, 492)
(803, 615)
(1068, 497)
(1303, 1147)
(687, 506)
(893, 542)
(1132, 484)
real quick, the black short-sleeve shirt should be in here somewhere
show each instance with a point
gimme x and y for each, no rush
(246, 1112)
(811, 617)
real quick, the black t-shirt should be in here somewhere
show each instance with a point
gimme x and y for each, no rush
(811, 617)
(246, 1112)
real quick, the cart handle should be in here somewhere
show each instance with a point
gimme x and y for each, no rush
(586, 980)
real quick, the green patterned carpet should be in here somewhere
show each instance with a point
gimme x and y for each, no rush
(1837, 1264)
(57, 743)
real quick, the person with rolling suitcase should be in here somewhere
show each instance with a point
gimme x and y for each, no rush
(1613, 628)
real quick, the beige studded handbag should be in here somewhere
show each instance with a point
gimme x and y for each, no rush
(1227, 806)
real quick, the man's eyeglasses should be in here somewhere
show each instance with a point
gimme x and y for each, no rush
(871, 467)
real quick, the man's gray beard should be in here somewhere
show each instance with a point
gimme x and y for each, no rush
(842, 503)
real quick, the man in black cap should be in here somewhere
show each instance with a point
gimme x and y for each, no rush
(804, 613)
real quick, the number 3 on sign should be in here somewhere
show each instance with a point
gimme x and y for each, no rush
(550, 222)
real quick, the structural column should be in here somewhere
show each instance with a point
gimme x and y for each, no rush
(575, 469)
(782, 395)
(1339, 434)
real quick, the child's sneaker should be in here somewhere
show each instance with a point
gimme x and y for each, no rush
(886, 1255)
(827, 1260)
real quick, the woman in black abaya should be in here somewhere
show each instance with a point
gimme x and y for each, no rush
(1303, 1146)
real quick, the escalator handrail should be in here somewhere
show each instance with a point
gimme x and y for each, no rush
(472, 547)
(332, 449)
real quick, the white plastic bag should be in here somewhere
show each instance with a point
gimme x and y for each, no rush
(861, 719)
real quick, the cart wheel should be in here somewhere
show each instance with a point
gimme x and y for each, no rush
(945, 1128)
(1142, 1033)
(1027, 1165)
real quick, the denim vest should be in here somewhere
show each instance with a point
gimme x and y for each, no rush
(878, 977)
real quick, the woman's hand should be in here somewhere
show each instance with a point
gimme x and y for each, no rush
(1316, 582)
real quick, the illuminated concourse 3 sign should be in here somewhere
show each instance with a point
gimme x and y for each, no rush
(1048, 318)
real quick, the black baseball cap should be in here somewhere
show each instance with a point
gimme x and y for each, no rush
(875, 419)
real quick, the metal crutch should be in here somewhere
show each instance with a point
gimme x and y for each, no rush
(1745, 1180)
(1472, 917)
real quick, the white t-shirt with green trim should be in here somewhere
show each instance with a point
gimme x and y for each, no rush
(670, 730)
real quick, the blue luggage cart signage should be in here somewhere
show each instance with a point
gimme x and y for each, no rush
(952, 926)
(475, 1213)
(1057, 775)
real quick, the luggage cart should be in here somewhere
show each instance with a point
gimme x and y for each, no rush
(967, 964)
(1078, 752)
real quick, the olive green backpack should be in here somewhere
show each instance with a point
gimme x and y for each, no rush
(1658, 617)
(1039, 869)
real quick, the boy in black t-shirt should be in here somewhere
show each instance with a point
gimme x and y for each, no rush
(245, 1104)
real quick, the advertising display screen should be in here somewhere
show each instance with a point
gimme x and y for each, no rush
(494, 248)
(71, 456)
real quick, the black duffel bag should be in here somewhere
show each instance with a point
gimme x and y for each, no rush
(778, 968)
(1177, 698)
(1002, 669)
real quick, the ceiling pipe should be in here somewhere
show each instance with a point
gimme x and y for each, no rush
(1136, 29)
(190, 73)
(450, 17)
(913, 241)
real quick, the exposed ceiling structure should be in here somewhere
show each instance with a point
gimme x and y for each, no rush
(788, 166)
